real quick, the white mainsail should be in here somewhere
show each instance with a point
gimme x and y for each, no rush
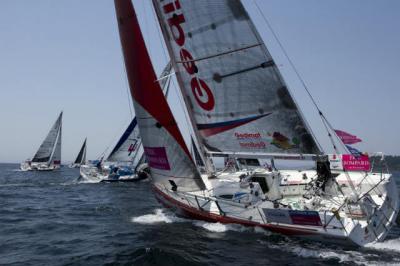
(166, 152)
(233, 90)
(50, 150)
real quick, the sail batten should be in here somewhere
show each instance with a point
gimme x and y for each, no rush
(226, 74)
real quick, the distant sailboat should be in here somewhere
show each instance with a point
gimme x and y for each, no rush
(126, 161)
(81, 158)
(48, 156)
(241, 109)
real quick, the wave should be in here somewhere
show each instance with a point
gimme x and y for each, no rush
(157, 217)
(17, 170)
(83, 180)
(212, 227)
(221, 228)
(391, 244)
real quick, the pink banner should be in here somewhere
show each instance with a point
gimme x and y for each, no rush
(157, 158)
(359, 163)
(347, 138)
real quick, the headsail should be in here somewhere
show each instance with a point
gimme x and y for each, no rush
(81, 158)
(234, 92)
(129, 148)
(50, 149)
(165, 150)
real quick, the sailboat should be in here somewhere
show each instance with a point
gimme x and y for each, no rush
(81, 158)
(126, 161)
(241, 109)
(48, 156)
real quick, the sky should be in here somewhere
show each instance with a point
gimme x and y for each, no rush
(65, 55)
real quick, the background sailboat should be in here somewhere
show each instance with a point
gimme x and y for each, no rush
(48, 156)
(81, 158)
(127, 156)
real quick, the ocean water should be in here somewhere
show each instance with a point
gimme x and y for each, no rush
(49, 218)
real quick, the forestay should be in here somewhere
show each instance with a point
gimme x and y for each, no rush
(50, 149)
(165, 150)
(234, 92)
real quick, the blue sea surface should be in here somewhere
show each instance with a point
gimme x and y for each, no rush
(49, 218)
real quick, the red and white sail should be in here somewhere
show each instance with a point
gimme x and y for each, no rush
(164, 146)
(233, 90)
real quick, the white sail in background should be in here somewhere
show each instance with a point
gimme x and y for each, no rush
(50, 149)
(166, 152)
(233, 90)
(128, 145)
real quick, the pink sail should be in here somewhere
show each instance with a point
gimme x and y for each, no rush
(347, 138)
(359, 163)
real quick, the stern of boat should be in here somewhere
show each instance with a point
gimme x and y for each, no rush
(384, 210)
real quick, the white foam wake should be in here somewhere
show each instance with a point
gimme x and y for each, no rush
(88, 181)
(158, 217)
(392, 244)
(212, 227)
(221, 228)
(324, 254)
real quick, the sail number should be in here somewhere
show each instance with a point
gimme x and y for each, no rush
(201, 91)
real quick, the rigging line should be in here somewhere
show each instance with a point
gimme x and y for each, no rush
(329, 135)
(128, 96)
(160, 35)
(146, 27)
(122, 60)
(294, 68)
(334, 132)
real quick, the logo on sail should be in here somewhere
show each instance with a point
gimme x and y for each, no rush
(132, 148)
(207, 130)
(157, 157)
(281, 141)
(201, 91)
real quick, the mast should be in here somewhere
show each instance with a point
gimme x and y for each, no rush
(164, 147)
(55, 157)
